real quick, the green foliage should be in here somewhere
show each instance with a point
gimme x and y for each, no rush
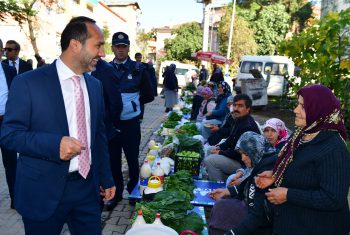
(270, 28)
(322, 52)
(14, 9)
(108, 45)
(188, 40)
(243, 37)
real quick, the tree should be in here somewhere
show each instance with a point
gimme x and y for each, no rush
(243, 38)
(188, 40)
(322, 51)
(270, 28)
(27, 13)
(10, 8)
(144, 38)
(108, 45)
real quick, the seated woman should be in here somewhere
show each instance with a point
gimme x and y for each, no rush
(276, 134)
(218, 114)
(223, 132)
(207, 105)
(246, 204)
(196, 103)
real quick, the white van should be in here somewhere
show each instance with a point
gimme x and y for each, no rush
(180, 72)
(279, 66)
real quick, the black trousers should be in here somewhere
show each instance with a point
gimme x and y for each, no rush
(9, 159)
(128, 140)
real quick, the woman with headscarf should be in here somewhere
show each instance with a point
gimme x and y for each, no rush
(312, 173)
(245, 209)
(207, 105)
(170, 88)
(196, 102)
(275, 132)
(218, 114)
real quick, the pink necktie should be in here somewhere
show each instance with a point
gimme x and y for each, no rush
(84, 160)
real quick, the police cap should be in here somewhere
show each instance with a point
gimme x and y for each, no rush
(120, 38)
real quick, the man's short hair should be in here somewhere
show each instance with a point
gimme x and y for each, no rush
(76, 29)
(17, 46)
(137, 54)
(247, 100)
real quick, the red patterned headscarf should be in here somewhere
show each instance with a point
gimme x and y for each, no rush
(322, 113)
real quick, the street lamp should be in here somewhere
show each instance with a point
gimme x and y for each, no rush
(231, 35)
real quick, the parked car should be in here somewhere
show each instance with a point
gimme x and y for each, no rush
(180, 72)
(279, 67)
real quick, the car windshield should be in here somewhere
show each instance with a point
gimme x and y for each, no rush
(248, 65)
(180, 71)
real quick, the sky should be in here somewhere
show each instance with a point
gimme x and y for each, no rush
(157, 13)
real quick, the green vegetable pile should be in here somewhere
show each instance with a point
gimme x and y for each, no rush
(188, 154)
(168, 140)
(170, 124)
(180, 182)
(186, 110)
(173, 204)
(188, 128)
(173, 116)
(189, 100)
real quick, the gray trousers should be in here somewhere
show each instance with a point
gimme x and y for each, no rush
(219, 167)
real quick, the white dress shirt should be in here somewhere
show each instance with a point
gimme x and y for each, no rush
(65, 75)
(4, 90)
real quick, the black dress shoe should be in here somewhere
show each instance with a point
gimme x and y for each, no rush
(111, 204)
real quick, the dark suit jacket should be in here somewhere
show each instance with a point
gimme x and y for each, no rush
(34, 125)
(10, 73)
(112, 94)
(23, 66)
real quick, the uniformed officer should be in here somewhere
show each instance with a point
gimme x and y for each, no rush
(136, 89)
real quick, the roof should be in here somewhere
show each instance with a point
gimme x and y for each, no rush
(121, 3)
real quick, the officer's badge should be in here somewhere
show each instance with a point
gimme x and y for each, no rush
(129, 76)
(121, 36)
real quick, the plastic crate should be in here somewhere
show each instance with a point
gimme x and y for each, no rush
(191, 164)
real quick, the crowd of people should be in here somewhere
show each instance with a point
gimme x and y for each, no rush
(69, 131)
(277, 182)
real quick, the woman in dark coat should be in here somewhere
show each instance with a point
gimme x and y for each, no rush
(311, 176)
(170, 88)
(245, 208)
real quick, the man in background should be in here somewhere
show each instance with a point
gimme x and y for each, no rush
(12, 50)
(9, 157)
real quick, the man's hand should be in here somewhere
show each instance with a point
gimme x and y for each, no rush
(264, 179)
(219, 193)
(107, 194)
(277, 195)
(214, 128)
(215, 150)
(234, 182)
(69, 147)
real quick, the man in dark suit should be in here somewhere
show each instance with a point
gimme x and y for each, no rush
(12, 49)
(9, 158)
(58, 129)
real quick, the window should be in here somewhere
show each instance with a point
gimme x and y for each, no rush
(276, 68)
(248, 65)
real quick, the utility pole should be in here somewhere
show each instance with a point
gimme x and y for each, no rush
(231, 35)
(206, 12)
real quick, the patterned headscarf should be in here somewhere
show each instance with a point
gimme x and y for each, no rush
(199, 90)
(322, 113)
(279, 126)
(253, 145)
(226, 87)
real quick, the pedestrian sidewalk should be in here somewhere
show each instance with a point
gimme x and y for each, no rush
(113, 223)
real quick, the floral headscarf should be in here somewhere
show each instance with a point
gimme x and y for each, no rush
(322, 113)
(226, 87)
(253, 145)
(279, 126)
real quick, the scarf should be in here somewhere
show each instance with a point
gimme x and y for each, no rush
(322, 113)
